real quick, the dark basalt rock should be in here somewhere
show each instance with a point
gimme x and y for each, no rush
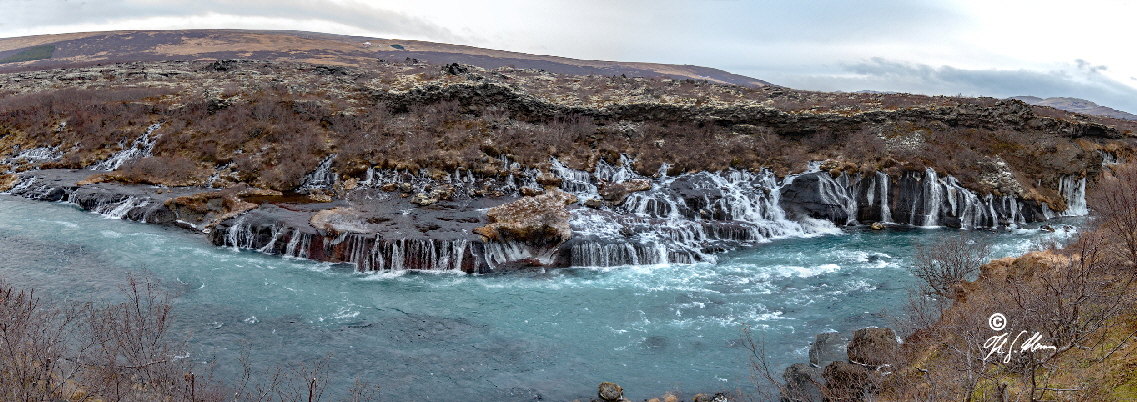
(817, 196)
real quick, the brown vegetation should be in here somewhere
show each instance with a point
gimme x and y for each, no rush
(51, 351)
(269, 123)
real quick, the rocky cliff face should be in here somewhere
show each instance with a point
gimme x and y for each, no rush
(683, 219)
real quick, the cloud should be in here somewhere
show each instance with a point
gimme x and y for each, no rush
(348, 17)
(1080, 79)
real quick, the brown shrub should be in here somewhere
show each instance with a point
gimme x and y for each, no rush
(172, 171)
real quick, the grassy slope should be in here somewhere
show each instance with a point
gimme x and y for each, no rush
(33, 53)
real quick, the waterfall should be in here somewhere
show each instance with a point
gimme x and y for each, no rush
(681, 219)
(1073, 190)
(499, 254)
(933, 195)
(367, 252)
(23, 186)
(883, 183)
(140, 148)
(118, 210)
(1109, 158)
(299, 244)
(606, 255)
(36, 155)
(686, 218)
(577, 182)
(322, 178)
(370, 253)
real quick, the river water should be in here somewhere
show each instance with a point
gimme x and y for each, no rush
(449, 336)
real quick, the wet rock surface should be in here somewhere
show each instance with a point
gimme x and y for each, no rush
(378, 225)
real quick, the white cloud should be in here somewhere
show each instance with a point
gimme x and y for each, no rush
(1080, 79)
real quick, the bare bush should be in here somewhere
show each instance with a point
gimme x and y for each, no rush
(32, 347)
(947, 261)
(127, 352)
(1116, 207)
(1075, 303)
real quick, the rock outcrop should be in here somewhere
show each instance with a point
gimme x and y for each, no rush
(539, 221)
(842, 372)
(873, 347)
(378, 225)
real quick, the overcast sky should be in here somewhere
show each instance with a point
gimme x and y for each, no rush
(995, 48)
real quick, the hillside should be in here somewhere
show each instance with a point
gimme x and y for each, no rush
(399, 164)
(1077, 106)
(90, 48)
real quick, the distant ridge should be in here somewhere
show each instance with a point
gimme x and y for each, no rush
(88, 48)
(1077, 106)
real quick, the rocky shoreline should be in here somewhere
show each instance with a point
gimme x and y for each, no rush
(461, 221)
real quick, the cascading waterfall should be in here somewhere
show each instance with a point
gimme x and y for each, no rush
(1109, 158)
(118, 210)
(140, 148)
(680, 219)
(877, 194)
(1074, 191)
(367, 251)
(932, 192)
(23, 186)
(34, 155)
(322, 178)
(577, 182)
